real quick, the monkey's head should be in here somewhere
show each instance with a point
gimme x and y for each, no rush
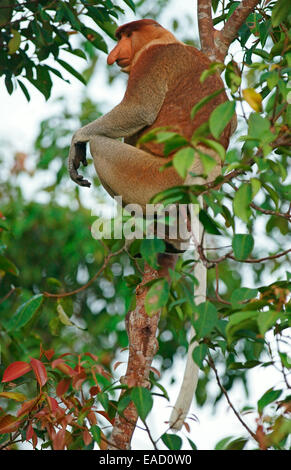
(133, 37)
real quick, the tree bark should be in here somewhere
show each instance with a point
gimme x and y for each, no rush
(224, 38)
(206, 29)
(143, 345)
(214, 43)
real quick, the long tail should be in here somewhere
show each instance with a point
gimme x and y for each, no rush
(190, 379)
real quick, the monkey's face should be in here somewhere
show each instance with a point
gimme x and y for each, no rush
(122, 53)
(131, 42)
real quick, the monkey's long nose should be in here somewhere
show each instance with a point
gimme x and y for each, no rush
(113, 56)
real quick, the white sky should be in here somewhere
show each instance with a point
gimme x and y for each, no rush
(19, 125)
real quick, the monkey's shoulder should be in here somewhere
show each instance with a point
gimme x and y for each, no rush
(176, 53)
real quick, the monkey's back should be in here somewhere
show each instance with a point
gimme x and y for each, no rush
(181, 67)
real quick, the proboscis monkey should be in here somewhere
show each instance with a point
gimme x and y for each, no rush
(163, 86)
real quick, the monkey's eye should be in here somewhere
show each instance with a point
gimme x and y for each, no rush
(129, 34)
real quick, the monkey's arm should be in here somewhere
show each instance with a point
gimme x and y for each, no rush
(139, 108)
(122, 121)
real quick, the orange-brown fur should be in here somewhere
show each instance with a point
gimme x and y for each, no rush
(163, 86)
(184, 90)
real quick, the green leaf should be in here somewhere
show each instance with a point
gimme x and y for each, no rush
(208, 162)
(241, 202)
(96, 433)
(131, 4)
(94, 38)
(6, 12)
(266, 320)
(237, 444)
(242, 245)
(43, 81)
(64, 319)
(220, 117)
(171, 140)
(172, 441)
(71, 70)
(221, 445)
(183, 160)
(24, 313)
(143, 401)
(256, 186)
(69, 13)
(199, 354)
(286, 360)
(192, 444)
(204, 100)
(280, 12)
(157, 296)
(259, 132)
(24, 89)
(14, 43)
(108, 26)
(242, 294)
(208, 223)
(8, 82)
(269, 397)
(149, 249)
(207, 319)
(241, 321)
(123, 403)
(7, 266)
(216, 146)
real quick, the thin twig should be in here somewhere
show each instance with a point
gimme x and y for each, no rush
(13, 289)
(212, 365)
(267, 258)
(281, 362)
(76, 291)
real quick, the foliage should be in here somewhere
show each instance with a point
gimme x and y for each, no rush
(46, 249)
(34, 31)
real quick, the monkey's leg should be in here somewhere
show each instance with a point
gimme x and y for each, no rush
(129, 172)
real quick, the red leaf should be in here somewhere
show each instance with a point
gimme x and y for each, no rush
(77, 383)
(94, 390)
(155, 371)
(92, 418)
(27, 406)
(59, 440)
(15, 370)
(34, 440)
(63, 367)
(39, 371)
(8, 423)
(63, 386)
(103, 413)
(117, 364)
(52, 403)
(29, 432)
(87, 438)
(49, 354)
(95, 358)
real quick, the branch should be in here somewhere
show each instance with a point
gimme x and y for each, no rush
(206, 30)
(143, 345)
(260, 260)
(224, 38)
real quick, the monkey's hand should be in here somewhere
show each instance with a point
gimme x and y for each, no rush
(77, 156)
